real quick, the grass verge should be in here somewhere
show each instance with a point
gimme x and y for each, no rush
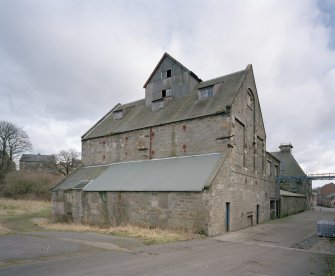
(147, 235)
(17, 215)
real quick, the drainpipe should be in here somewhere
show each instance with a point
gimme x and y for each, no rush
(150, 143)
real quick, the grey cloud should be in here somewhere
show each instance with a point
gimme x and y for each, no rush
(66, 63)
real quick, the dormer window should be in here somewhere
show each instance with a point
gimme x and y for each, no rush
(206, 92)
(166, 74)
(166, 93)
(117, 115)
(156, 105)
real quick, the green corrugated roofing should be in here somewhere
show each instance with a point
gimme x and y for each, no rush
(188, 173)
(79, 177)
(138, 115)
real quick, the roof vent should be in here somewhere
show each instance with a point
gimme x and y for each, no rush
(285, 147)
(118, 114)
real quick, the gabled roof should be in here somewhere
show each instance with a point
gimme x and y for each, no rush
(176, 61)
(190, 173)
(138, 115)
(36, 158)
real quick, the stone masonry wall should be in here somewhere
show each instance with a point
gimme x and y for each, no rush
(164, 209)
(290, 205)
(242, 181)
(243, 190)
(198, 136)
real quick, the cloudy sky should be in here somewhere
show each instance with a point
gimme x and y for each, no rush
(65, 63)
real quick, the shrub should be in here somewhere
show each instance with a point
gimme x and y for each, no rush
(29, 184)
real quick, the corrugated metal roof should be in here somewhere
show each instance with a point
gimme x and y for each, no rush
(79, 178)
(188, 173)
(287, 193)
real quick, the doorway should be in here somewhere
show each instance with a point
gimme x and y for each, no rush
(257, 213)
(227, 216)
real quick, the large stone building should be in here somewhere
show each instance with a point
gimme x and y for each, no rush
(37, 163)
(191, 154)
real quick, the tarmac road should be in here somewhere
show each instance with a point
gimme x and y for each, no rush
(287, 246)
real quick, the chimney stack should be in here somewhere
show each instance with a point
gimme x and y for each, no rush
(285, 147)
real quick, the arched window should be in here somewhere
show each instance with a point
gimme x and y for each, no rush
(250, 99)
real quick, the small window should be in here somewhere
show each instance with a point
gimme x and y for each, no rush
(166, 93)
(166, 74)
(117, 115)
(156, 105)
(206, 92)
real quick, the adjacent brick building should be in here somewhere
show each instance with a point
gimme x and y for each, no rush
(325, 195)
(191, 154)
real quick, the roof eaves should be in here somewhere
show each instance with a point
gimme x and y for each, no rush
(98, 122)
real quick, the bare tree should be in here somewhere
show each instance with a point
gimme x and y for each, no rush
(67, 161)
(13, 141)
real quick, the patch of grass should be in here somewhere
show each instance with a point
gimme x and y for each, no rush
(154, 235)
(17, 215)
(147, 235)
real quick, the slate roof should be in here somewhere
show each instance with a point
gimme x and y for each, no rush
(138, 115)
(288, 165)
(186, 173)
(36, 158)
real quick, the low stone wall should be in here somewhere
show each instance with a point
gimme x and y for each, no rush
(290, 205)
(164, 209)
